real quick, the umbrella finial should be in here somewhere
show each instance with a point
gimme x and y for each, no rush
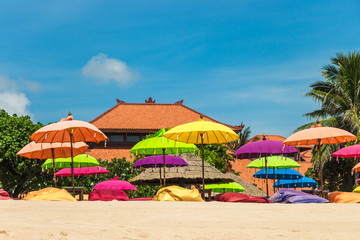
(264, 136)
(201, 117)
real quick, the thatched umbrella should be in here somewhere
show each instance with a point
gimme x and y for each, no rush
(187, 175)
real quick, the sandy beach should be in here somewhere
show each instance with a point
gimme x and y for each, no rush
(176, 220)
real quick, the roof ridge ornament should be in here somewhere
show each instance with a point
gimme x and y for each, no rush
(150, 101)
(119, 101)
(180, 102)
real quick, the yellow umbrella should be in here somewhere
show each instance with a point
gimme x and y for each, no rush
(202, 132)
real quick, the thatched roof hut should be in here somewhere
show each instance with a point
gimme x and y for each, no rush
(187, 175)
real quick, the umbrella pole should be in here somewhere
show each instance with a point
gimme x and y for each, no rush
(321, 172)
(266, 176)
(53, 158)
(203, 170)
(274, 179)
(164, 166)
(72, 164)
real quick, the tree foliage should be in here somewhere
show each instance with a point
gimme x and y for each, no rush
(339, 97)
(18, 174)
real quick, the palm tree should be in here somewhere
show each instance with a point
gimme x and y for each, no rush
(244, 136)
(338, 94)
(339, 98)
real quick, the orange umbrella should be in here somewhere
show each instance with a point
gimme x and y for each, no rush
(69, 130)
(356, 167)
(319, 135)
(35, 150)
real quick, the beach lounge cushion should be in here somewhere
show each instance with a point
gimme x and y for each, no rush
(176, 193)
(344, 197)
(4, 195)
(50, 194)
(294, 196)
(239, 197)
(108, 195)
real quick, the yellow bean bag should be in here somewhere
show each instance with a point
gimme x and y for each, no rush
(357, 189)
(50, 194)
(344, 197)
(176, 193)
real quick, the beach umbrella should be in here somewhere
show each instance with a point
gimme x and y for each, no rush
(42, 151)
(349, 152)
(202, 132)
(295, 183)
(84, 171)
(356, 167)
(225, 187)
(69, 130)
(287, 174)
(319, 135)
(157, 161)
(264, 149)
(159, 145)
(276, 162)
(79, 161)
(115, 183)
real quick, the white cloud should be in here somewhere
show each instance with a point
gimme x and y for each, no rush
(108, 69)
(12, 100)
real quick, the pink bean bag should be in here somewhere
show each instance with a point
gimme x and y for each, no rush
(239, 197)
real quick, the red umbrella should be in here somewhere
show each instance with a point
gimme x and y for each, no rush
(42, 151)
(84, 171)
(115, 184)
(69, 130)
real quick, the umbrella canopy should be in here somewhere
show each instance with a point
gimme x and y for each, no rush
(79, 131)
(155, 146)
(225, 187)
(286, 173)
(348, 152)
(202, 132)
(302, 182)
(265, 147)
(69, 130)
(356, 167)
(157, 161)
(84, 171)
(82, 160)
(115, 183)
(276, 162)
(35, 150)
(318, 135)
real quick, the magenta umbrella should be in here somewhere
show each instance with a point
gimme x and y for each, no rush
(66, 172)
(348, 152)
(115, 184)
(264, 148)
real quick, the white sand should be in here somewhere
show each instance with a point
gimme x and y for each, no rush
(177, 220)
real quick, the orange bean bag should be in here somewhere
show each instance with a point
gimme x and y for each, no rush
(344, 197)
(50, 194)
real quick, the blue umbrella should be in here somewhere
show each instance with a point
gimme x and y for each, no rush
(302, 182)
(287, 174)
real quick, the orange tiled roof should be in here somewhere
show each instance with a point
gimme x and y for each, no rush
(268, 137)
(108, 154)
(148, 116)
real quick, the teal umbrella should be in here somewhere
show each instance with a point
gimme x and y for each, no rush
(159, 145)
(81, 160)
(225, 187)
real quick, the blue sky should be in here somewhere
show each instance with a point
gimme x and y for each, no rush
(236, 61)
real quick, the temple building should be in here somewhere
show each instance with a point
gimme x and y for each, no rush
(125, 124)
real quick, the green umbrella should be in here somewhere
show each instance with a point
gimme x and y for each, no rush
(159, 145)
(225, 187)
(81, 160)
(276, 162)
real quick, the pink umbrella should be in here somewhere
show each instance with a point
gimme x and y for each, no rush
(348, 152)
(115, 184)
(66, 172)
